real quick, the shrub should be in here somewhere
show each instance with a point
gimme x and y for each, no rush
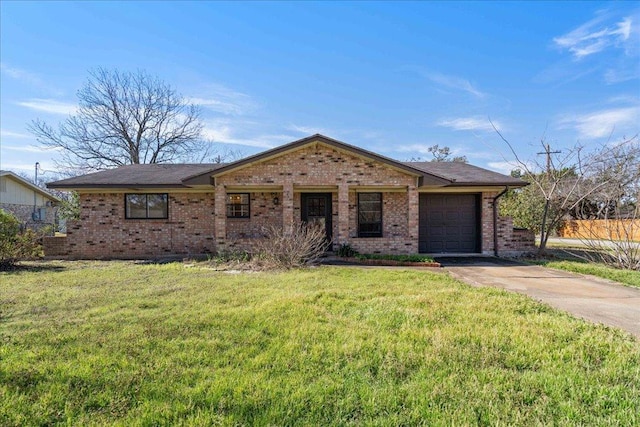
(15, 244)
(70, 207)
(346, 251)
(230, 256)
(400, 258)
(293, 246)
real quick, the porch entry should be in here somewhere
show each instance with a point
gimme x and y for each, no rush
(316, 209)
(449, 223)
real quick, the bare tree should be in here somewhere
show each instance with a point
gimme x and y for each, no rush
(226, 155)
(610, 217)
(566, 179)
(441, 154)
(125, 118)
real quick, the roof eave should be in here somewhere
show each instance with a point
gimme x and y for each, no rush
(488, 184)
(74, 187)
(33, 187)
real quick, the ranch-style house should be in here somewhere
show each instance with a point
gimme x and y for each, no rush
(371, 202)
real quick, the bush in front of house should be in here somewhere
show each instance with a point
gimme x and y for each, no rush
(16, 244)
(398, 258)
(346, 251)
(291, 247)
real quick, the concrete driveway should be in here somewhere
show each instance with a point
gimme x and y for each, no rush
(594, 299)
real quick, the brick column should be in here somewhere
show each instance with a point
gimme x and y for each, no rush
(287, 206)
(487, 223)
(220, 209)
(343, 214)
(413, 218)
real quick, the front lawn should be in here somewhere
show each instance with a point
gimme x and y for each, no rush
(564, 261)
(126, 344)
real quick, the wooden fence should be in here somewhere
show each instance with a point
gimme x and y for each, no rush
(609, 229)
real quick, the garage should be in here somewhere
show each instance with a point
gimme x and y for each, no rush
(449, 223)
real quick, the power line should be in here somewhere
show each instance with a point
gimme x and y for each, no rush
(548, 152)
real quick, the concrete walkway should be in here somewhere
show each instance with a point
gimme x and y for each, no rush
(594, 299)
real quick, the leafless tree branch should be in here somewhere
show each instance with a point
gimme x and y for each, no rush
(125, 118)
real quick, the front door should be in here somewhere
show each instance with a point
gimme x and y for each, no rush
(316, 209)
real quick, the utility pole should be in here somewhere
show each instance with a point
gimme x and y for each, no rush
(548, 152)
(35, 194)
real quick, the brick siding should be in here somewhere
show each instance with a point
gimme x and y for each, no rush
(24, 214)
(511, 241)
(55, 246)
(103, 231)
(320, 165)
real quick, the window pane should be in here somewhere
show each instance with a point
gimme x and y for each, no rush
(143, 206)
(370, 214)
(157, 205)
(238, 205)
(136, 206)
(370, 197)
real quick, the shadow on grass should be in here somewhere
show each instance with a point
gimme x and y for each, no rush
(559, 254)
(31, 268)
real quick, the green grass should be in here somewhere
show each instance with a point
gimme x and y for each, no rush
(125, 344)
(401, 258)
(626, 277)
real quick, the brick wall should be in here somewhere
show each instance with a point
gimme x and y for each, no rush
(197, 222)
(55, 246)
(263, 213)
(486, 223)
(24, 214)
(103, 231)
(320, 165)
(511, 241)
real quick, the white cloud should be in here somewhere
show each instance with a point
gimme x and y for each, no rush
(597, 35)
(30, 148)
(222, 99)
(9, 134)
(49, 106)
(600, 124)
(20, 74)
(622, 74)
(46, 166)
(503, 167)
(27, 77)
(454, 82)
(414, 148)
(223, 132)
(423, 149)
(308, 130)
(475, 123)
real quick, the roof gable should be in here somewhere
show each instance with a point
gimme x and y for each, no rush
(322, 140)
(29, 185)
(201, 176)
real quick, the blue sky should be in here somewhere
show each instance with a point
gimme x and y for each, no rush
(392, 77)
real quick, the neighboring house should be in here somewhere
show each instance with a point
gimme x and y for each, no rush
(371, 202)
(33, 206)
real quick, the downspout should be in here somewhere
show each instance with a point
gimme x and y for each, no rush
(495, 220)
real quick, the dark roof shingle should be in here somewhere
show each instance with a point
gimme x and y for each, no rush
(447, 174)
(465, 174)
(146, 175)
